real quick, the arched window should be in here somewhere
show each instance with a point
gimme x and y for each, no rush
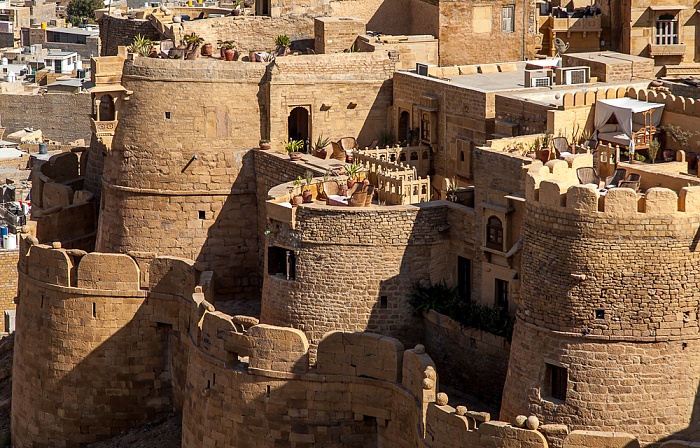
(494, 233)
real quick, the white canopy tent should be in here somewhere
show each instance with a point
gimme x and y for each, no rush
(624, 110)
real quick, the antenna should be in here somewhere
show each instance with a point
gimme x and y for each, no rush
(561, 46)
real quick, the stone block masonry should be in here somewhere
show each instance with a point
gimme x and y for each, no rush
(608, 294)
(8, 283)
(61, 117)
(90, 363)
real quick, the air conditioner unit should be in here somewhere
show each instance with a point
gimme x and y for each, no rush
(538, 78)
(421, 69)
(540, 82)
(573, 75)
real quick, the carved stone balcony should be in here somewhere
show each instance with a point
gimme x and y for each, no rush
(104, 130)
(666, 50)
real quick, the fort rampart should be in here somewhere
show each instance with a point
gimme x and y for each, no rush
(98, 351)
(609, 295)
(364, 259)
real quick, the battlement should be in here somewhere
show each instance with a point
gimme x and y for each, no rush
(556, 186)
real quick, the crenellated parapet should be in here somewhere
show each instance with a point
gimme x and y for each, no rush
(608, 297)
(137, 350)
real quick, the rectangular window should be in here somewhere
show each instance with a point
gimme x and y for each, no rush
(501, 293)
(558, 379)
(667, 30)
(464, 278)
(507, 19)
(281, 261)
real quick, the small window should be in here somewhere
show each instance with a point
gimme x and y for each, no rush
(600, 314)
(558, 377)
(167, 115)
(501, 293)
(202, 214)
(461, 156)
(425, 127)
(281, 261)
(494, 233)
(464, 278)
(383, 302)
(666, 30)
(507, 19)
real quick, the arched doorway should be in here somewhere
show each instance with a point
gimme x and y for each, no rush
(106, 111)
(404, 127)
(298, 124)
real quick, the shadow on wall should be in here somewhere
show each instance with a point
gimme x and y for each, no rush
(385, 18)
(375, 125)
(230, 247)
(689, 434)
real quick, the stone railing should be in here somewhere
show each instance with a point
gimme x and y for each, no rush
(393, 191)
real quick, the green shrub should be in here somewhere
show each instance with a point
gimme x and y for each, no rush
(445, 300)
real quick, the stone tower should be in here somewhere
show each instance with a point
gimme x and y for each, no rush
(178, 179)
(606, 335)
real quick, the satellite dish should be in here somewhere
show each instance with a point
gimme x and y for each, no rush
(561, 46)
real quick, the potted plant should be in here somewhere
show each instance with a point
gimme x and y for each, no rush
(352, 170)
(293, 148)
(193, 42)
(654, 146)
(320, 187)
(282, 43)
(451, 189)
(265, 144)
(320, 146)
(306, 194)
(141, 45)
(228, 50)
(678, 135)
(547, 140)
(297, 199)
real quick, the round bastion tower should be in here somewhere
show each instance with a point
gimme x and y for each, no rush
(179, 179)
(606, 336)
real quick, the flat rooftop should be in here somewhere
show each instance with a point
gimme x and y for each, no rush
(494, 82)
(76, 31)
(607, 57)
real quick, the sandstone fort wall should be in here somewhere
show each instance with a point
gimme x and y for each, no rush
(366, 260)
(345, 94)
(60, 117)
(483, 379)
(128, 354)
(609, 287)
(195, 194)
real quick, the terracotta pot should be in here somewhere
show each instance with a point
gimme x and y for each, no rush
(669, 155)
(321, 153)
(297, 200)
(229, 55)
(307, 196)
(265, 146)
(236, 12)
(295, 155)
(351, 183)
(207, 49)
(153, 53)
